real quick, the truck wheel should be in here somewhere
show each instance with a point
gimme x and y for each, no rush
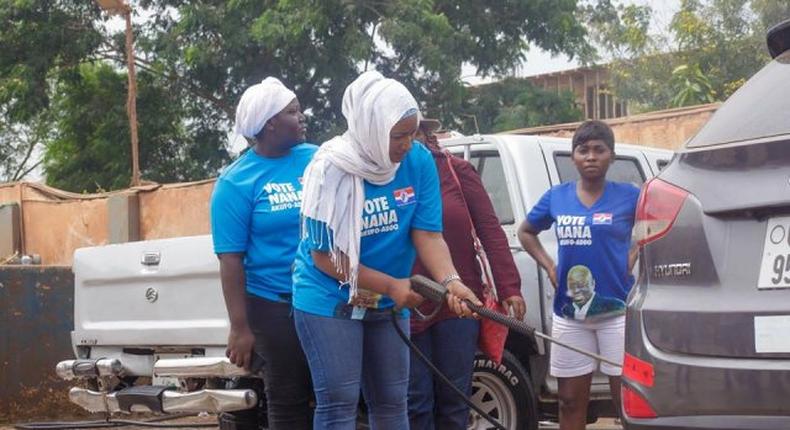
(504, 391)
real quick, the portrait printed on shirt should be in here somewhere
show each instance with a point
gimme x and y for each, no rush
(585, 304)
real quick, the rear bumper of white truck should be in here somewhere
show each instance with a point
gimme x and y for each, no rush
(156, 399)
(159, 399)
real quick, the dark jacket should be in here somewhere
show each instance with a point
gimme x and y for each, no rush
(458, 235)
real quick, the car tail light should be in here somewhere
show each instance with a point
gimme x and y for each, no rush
(634, 405)
(658, 206)
(639, 371)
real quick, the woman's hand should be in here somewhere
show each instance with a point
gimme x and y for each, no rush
(240, 345)
(517, 305)
(457, 293)
(400, 292)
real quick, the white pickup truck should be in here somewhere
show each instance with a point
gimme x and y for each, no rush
(150, 324)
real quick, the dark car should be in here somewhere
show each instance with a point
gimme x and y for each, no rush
(708, 322)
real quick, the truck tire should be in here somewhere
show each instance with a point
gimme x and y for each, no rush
(505, 392)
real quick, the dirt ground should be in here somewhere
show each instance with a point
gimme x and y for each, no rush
(602, 424)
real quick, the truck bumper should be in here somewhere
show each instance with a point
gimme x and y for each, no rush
(167, 402)
(159, 399)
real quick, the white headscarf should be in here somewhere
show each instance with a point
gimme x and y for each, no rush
(333, 187)
(259, 104)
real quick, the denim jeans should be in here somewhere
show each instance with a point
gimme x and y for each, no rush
(348, 354)
(286, 374)
(451, 346)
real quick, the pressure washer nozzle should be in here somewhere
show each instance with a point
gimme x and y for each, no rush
(427, 288)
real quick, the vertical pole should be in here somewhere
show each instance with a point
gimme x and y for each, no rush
(597, 113)
(586, 104)
(22, 236)
(571, 89)
(131, 104)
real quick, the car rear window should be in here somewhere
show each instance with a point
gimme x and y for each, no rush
(759, 109)
(624, 169)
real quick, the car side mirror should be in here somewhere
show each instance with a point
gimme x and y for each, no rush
(779, 39)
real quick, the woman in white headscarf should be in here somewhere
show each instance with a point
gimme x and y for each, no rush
(255, 228)
(371, 205)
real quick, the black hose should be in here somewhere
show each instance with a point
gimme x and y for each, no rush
(441, 375)
(109, 423)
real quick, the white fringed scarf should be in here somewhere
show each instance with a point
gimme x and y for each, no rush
(333, 184)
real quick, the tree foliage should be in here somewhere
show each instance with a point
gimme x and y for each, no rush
(91, 150)
(196, 57)
(516, 103)
(709, 49)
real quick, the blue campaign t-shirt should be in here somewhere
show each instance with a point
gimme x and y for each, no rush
(255, 210)
(411, 201)
(592, 269)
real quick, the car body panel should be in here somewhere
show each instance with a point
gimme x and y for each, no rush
(714, 336)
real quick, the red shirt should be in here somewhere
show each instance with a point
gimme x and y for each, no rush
(458, 235)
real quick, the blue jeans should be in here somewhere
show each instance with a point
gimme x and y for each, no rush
(345, 355)
(451, 346)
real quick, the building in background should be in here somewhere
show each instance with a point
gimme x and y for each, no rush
(591, 88)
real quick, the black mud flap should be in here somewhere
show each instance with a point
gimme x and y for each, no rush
(149, 396)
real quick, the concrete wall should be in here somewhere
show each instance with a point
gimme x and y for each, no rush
(175, 211)
(668, 129)
(55, 223)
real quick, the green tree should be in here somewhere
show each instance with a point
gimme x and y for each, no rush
(200, 56)
(89, 151)
(20, 145)
(515, 103)
(37, 39)
(691, 86)
(706, 53)
(318, 47)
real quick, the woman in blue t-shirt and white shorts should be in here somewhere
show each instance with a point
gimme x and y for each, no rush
(255, 228)
(371, 205)
(593, 219)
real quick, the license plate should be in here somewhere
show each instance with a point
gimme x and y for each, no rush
(775, 266)
(770, 334)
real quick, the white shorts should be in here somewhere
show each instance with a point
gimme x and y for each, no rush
(605, 338)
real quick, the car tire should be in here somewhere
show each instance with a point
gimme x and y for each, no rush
(505, 392)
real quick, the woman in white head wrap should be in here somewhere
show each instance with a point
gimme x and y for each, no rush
(371, 205)
(255, 227)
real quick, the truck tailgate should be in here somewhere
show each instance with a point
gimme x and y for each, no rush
(159, 292)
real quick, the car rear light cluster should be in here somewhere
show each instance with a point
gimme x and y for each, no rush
(634, 405)
(640, 372)
(657, 209)
(637, 370)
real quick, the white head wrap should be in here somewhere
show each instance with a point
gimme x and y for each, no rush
(259, 104)
(333, 190)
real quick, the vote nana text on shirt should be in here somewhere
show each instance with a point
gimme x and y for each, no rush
(283, 196)
(572, 230)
